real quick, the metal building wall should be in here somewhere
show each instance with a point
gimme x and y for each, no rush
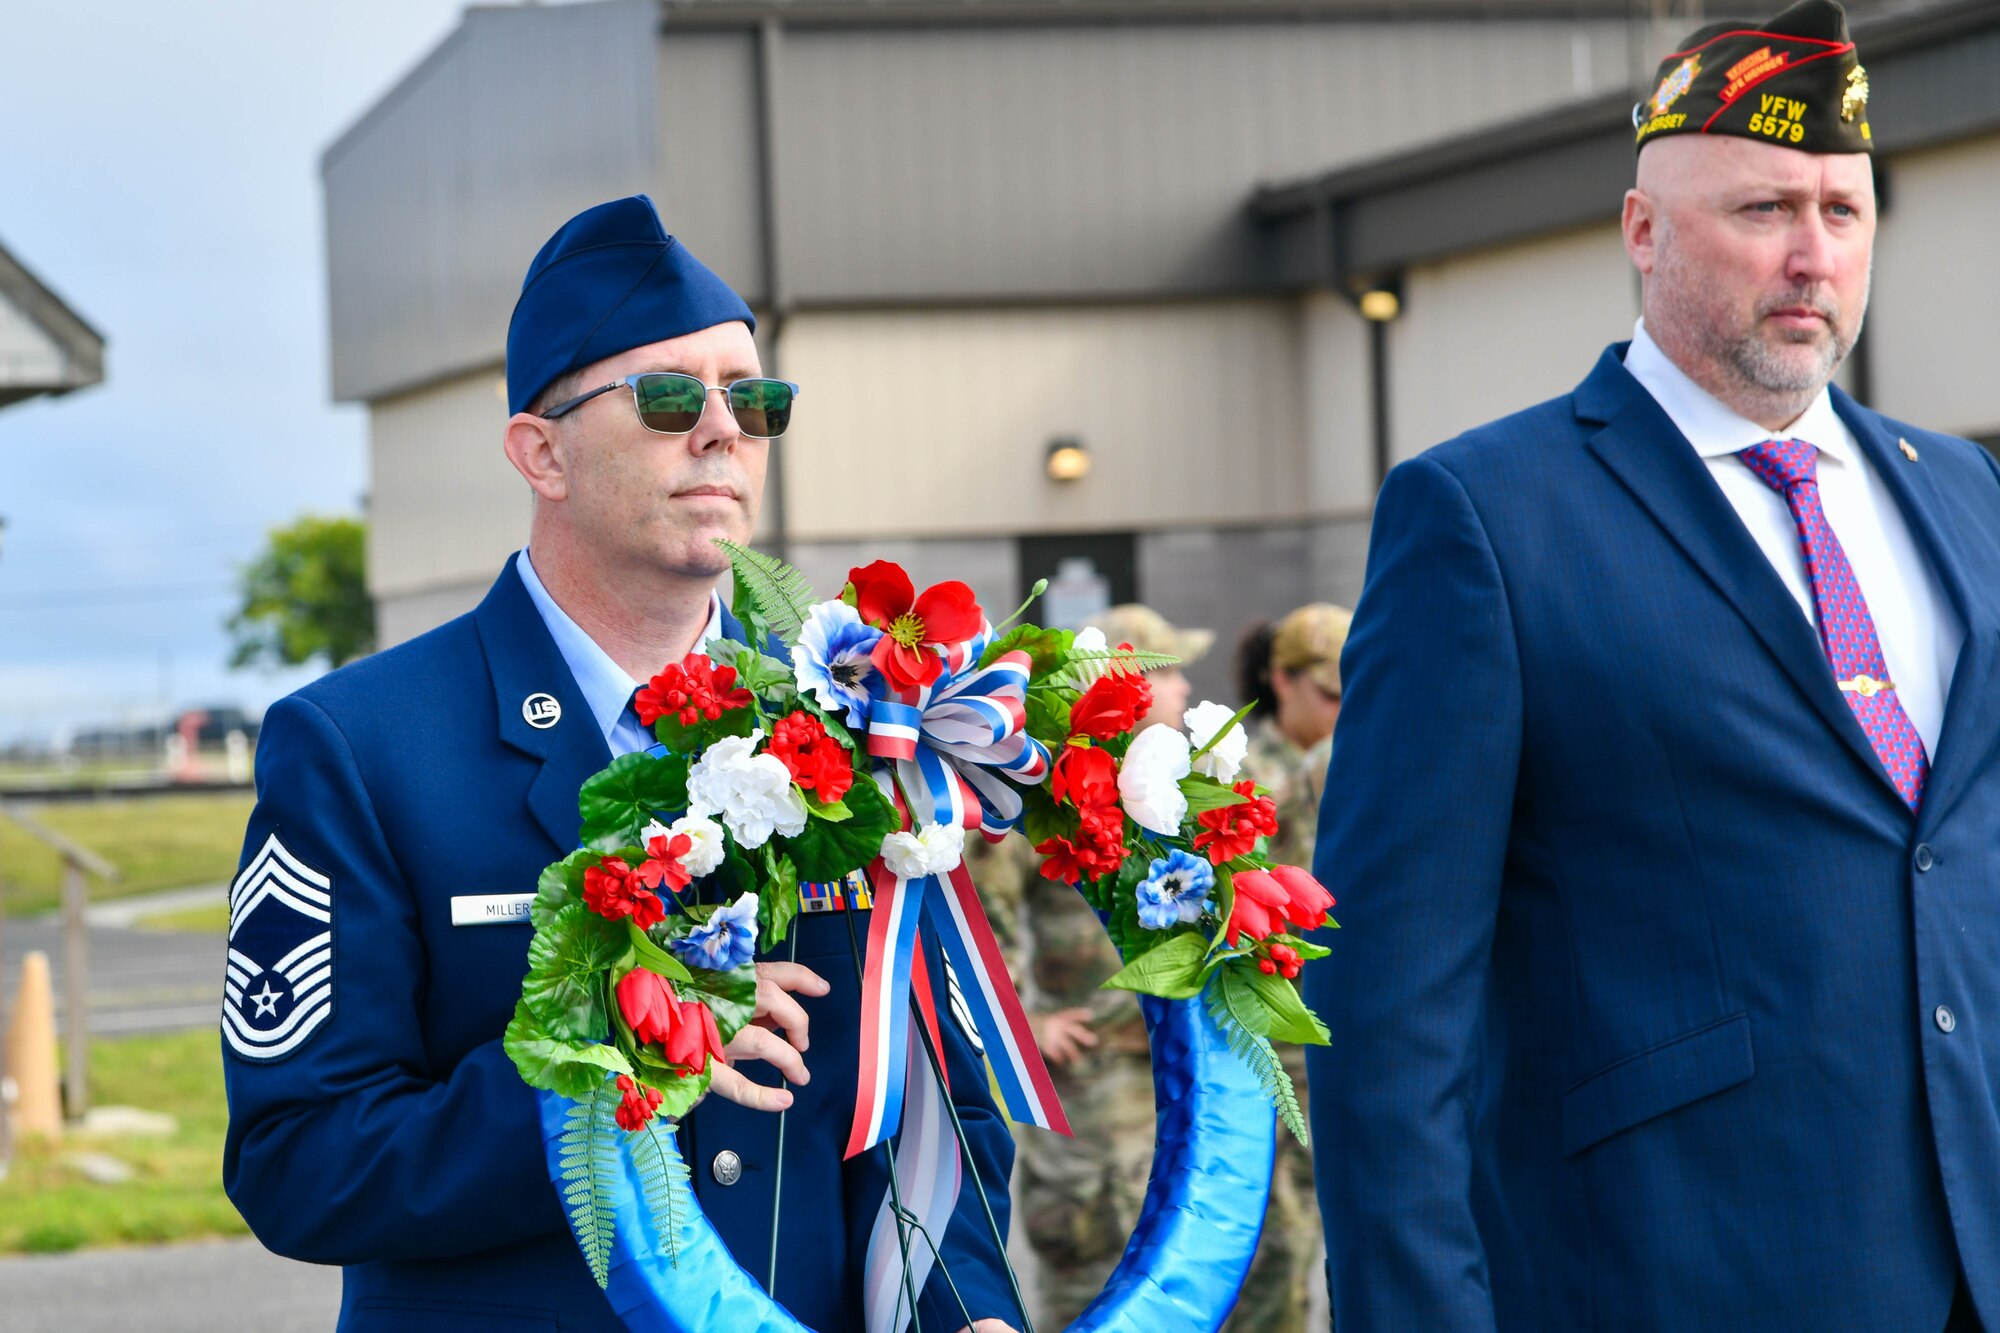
(438, 197)
(933, 423)
(29, 357)
(1933, 339)
(707, 182)
(1492, 332)
(955, 161)
(445, 505)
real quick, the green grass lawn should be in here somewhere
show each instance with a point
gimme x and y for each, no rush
(47, 1206)
(211, 920)
(157, 842)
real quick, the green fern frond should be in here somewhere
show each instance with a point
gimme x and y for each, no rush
(663, 1183)
(588, 1160)
(779, 592)
(1257, 1052)
(1084, 667)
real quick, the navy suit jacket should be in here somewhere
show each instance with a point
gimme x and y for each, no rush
(1638, 1010)
(395, 1137)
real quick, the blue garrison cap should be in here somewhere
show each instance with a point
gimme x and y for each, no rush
(609, 280)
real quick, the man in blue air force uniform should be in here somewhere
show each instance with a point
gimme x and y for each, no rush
(1664, 812)
(407, 803)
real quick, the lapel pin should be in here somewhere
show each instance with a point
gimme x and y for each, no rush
(1908, 452)
(541, 711)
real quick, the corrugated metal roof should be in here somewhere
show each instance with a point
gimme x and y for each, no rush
(69, 353)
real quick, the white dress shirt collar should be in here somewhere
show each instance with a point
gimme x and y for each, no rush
(606, 687)
(1715, 429)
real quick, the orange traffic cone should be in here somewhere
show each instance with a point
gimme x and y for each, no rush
(31, 1052)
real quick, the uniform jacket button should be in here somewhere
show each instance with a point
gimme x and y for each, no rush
(1925, 860)
(1946, 1021)
(727, 1168)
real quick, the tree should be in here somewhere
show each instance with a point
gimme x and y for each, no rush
(306, 596)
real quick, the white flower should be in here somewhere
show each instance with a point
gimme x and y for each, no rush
(752, 792)
(706, 836)
(936, 849)
(1222, 761)
(1089, 639)
(1149, 781)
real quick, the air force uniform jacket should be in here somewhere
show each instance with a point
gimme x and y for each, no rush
(375, 1121)
(1655, 1006)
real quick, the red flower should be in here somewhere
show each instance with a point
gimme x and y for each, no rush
(913, 627)
(693, 690)
(611, 890)
(647, 1001)
(1085, 777)
(1306, 900)
(1234, 829)
(1112, 706)
(1089, 855)
(1266, 900)
(636, 1107)
(818, 763)
(663, 864)
(694, 1037)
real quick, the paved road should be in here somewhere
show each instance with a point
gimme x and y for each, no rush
(140, 980)
(196, 1288)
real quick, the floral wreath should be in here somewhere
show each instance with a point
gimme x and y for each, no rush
(903, 721)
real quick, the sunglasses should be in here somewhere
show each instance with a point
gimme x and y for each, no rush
(670, 403)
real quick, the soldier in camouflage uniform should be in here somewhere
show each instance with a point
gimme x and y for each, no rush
(1292, 671)
(1079, 1198)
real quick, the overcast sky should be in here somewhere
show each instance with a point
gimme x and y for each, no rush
(159, 170)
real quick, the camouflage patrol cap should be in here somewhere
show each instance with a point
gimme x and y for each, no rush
(1796, 81)
(1309, 641)
(1150, 632)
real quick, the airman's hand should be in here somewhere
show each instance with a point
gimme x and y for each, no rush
(776, 1012)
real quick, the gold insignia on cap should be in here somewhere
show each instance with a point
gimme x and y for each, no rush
(1908, 452)
(1677, 82)
(1854, 98)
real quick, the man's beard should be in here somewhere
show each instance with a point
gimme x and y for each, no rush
(1770, 367)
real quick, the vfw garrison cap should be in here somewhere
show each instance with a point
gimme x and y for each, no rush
(1795, 81)
(609, 280)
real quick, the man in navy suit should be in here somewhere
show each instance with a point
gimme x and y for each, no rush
(406, 804)
(1664, 813)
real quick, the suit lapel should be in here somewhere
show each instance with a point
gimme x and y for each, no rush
(1972, 714)
(525, 662)
(1643, 448)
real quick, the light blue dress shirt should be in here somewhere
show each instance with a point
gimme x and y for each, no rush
(606, 687)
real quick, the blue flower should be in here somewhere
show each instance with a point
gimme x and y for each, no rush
(725, 941)
(1176, 890)
(831, 660)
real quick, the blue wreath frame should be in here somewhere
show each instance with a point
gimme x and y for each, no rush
(1203, 1214)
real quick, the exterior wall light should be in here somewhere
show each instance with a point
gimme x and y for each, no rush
(1380, 305)
(1068, 460)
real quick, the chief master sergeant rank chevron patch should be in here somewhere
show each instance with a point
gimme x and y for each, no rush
(280, 982)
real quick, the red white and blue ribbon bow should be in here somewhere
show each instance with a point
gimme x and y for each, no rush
(958, 747)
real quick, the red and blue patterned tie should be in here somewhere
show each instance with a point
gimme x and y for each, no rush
(1790, 467)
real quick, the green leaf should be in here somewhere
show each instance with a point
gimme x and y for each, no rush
(566, 1068)
(587, 1157)
(679, 1092)
(622, 799)
(779, 593)
(1092, 663)
(777, 897)
(833, 811)
(651, 956)
(1047, 713)
(1267, 1006)
(1307, 950)
(560, 885)
(1174, 970)
(1205, 794)
(1046, 648)
(825, 852)
(1256, 1052)
(732, 995)
(663, 1181)
(567, 963)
